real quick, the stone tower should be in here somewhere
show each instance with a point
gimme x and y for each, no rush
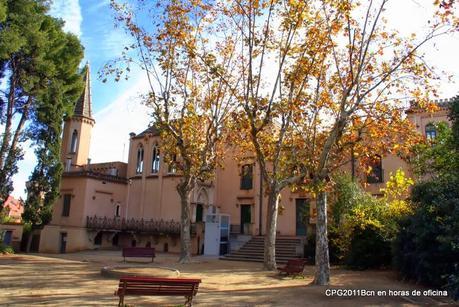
(77, 130)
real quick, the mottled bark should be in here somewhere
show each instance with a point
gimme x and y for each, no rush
(270, 238)
(322, 274)
(185, 236)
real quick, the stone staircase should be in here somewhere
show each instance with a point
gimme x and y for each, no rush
(253, 250)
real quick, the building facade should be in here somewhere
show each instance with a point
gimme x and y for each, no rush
(11, 229)
(116, 204)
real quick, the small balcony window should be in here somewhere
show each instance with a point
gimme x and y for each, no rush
(431, 132)
(66, 205)
(247, 177)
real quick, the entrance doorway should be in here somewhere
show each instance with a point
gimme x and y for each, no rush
(63, 242)
(8, 237)
(246, 218)
(302, 216)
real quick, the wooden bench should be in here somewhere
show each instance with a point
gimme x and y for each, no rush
(147, 252)
(157, 287)
(293, 267)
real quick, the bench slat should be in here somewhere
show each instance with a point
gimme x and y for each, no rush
(159, 279)
(186, 287)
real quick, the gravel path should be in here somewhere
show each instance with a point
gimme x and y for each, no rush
(75, 280)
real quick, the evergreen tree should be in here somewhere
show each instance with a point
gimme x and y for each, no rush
(427, 247)
(39, 65)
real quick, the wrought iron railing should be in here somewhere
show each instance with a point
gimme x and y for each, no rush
(158, 227)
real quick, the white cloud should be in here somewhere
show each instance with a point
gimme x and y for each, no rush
(25, 167)
(98, 5)
(110, 135)
(413, 17)
(70, 12)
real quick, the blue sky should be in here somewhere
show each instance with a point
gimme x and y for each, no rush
(116, 106)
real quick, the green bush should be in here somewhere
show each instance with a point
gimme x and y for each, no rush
(427, 247)
(334, 246)
(310, 248)
(363, 226)
(337, 245)
(6, 249)
(368, 249)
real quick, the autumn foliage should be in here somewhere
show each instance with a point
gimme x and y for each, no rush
(311, 85)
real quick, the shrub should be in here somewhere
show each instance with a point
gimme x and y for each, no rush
(337, 244)
(427, 247)
(6, 249)
(363, 226)
(368, 249)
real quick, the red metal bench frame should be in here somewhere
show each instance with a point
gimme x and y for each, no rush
(146, 252)
(293, 267)
(153, 286)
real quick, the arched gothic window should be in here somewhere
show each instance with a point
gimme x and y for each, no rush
(117, 210)
(139, 165)
(73, 143)
(155, 160)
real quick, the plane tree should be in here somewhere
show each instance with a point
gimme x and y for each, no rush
(189, 104)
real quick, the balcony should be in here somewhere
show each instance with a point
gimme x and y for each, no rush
(151, 227)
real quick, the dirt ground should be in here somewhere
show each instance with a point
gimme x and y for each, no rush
(76, 280)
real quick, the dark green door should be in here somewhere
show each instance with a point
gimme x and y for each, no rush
(63, 245)
(302, 216)
(246, 218)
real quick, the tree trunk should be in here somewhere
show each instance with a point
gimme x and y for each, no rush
(185, 222)
(271, 223)
(322, 275)
(9, 118)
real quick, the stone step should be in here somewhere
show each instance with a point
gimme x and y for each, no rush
(253, 259)
(258, 251)
(253, 250)
(292, 248)
(292, 251)
(277, 241)
(254, 254)
(285, 259)
(277, 246)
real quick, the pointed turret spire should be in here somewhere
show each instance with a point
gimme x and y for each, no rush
(83, 105)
